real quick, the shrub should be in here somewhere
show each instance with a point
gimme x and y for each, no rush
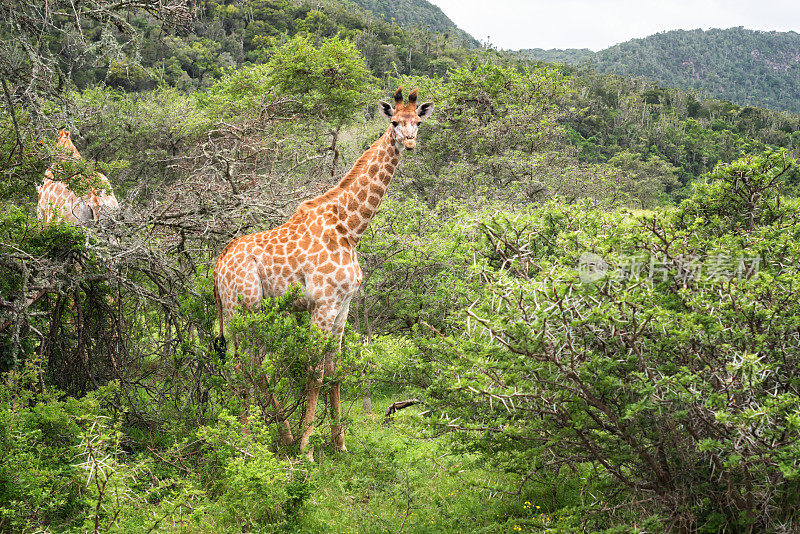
(668, 360)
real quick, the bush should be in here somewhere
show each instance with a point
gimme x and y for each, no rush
(668, 360)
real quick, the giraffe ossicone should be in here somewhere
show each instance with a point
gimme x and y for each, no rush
(56, 201)
(316, 249)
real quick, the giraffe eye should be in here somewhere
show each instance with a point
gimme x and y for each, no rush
(395, 123)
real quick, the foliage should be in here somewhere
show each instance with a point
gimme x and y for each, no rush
(666, 359)
(331, 81)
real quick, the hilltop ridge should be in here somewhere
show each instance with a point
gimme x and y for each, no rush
(747, 67)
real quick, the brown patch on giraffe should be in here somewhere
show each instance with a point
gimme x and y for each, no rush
(326, 268)
(353, 221)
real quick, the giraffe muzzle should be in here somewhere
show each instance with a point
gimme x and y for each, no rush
(410, 143)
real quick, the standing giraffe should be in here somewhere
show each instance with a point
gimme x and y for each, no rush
(57, 201)
(316, 249)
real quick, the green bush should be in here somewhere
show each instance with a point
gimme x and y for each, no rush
(668, 359)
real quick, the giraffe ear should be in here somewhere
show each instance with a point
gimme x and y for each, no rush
(425, 110)
(386, 109)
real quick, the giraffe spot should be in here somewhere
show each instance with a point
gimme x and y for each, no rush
(335, 256)
(326, 268)
(287, 271)
(315, 248)
(352, 205)
(292, 262)
(322, 257)
(363, 181)
(353, 221)
(329, 291)
(373, 170)
(330, 244)
(366, 212)
(318, 279)
(374, 200)
(340, 275)
(362, 195)
(395, 161)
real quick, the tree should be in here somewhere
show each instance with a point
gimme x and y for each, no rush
(331, 82)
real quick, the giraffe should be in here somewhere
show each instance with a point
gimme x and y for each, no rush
(57, 201)
(316, 249)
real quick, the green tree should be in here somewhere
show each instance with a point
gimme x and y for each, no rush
(330, 82)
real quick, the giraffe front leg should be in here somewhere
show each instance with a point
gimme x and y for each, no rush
(323, 316)
(331, 362)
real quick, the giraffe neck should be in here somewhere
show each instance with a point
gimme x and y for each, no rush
(362, 189)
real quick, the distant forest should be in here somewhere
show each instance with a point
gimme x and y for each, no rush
(744, 66)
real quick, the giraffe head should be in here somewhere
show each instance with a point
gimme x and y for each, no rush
(406, 118)
(65, 144)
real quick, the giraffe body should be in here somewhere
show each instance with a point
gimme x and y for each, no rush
(316, 249)
(56, 201)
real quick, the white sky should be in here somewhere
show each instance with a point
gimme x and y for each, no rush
(598, 24)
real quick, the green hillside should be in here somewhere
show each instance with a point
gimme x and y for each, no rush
(746, 67)
(416, 14)
(743, 66)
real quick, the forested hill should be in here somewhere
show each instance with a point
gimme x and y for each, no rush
(405, 37)
(416, 14)
(568, 56)
(743, 66)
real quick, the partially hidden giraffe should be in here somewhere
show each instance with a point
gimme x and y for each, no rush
(56, 201)
(316, 249)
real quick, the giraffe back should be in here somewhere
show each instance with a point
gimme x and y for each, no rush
(57, 201)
